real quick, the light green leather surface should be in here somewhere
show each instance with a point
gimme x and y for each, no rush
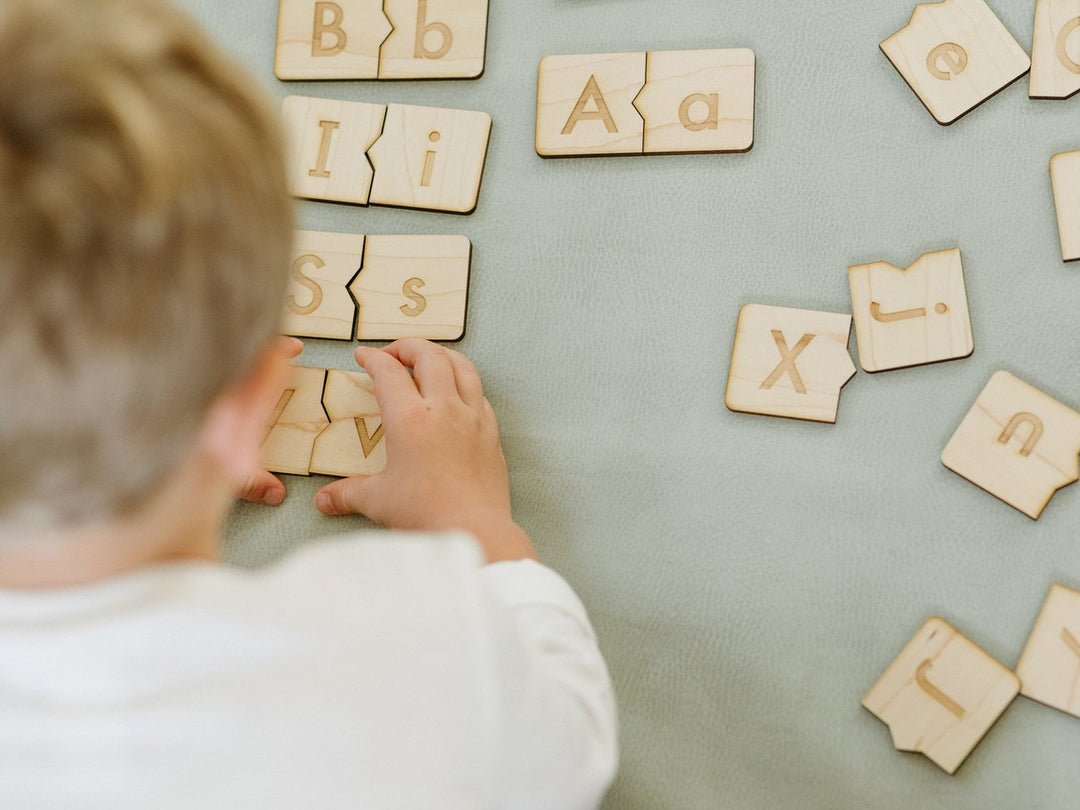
(750, 578)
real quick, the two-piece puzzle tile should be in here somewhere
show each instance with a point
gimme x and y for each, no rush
(789, 362)
(1049, 668)
(362, 39)
(325, 422)
(378, 287)
(955, 54)
(1055, 49)
(1065, 178)
(941, 695)
(1017, 443)
(645, 103)
(908, 317)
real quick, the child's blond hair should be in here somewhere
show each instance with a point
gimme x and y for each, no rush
(144, 231)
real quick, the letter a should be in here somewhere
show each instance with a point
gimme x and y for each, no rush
(601, 113)
(712, 107)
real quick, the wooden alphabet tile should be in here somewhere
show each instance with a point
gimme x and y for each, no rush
(908, 317)
(434, 39)
(1049, 668)
(789, 362)
(318, 303)
(1017, 443)
(1065, 178)
(430, 157)
(941, 695)
(327, 142)
(296, 421)
(645, 103)
(352, 444)
(955, 54)
(1055, 49)
(413, 286)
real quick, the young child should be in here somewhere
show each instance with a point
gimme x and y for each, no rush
(144, 237)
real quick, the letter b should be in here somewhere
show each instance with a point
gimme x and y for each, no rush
(332, 26)
(423, 27)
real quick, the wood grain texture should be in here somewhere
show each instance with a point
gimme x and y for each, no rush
(434, 39)
(318, 303)
(698, 101)
(1055, 49)
(941, 695)
(1016, 443)
(955, 54)
(352, 443)
(326, 142)
(789, 362)
(1049, 667)
(430, 157)
(297, 419)
(1065, 179)
(329, 40)
(413, 286)
(908, 317)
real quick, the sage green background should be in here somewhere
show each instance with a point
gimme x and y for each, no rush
(749, 578)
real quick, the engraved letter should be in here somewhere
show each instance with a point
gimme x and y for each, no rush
(889, 317)
(1062, 43)
(712, 117)
(328, 128)
(282, 404)
(1014, 425)
(323, 27)
(924, 684)
(787, 362)
(368, 441)
(411, 290)
(422, 29)
(953, 57)
(429, 161)
(601, 113)
(311, 285)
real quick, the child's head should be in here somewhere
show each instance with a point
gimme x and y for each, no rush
(144, 231)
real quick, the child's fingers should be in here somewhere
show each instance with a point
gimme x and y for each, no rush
(432, 369)
(262, 487)
(346, 496)
(289, 347)
(469, 384)
(394, 387)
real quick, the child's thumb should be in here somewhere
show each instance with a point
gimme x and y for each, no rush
(348, 496)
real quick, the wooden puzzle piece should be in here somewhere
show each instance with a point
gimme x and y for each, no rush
(413, 286)
(433, 39)
(1065, 178)
(941, 695)
(955, 54)
(353, 443)
(327, 142)
(318, 303)
(789, 362)
(1049, 668)
(430, 157)
(1017, 443)
(908, 317)
(1055, 49)
(329, 40)
(585, 104)
(297, 419)
(698, 101)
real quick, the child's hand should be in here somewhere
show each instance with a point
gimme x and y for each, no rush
(445, 466)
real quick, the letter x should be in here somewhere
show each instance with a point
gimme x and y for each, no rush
(787, 362)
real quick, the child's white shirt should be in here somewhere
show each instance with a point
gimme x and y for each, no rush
(391, 671)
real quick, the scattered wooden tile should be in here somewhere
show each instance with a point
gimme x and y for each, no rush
(955, 54)
(1049, 668)
(434, 39)
(353, 442)
(1055, 49)
(1065, 178)
(318, 303)
(908, 317)
(326, 145)
(789, 362)
(941, 695)
(413, 286)
(297, 419)
(329, 40)
(430, 157)
(585, 104)
(1017, 443)
(698, 101)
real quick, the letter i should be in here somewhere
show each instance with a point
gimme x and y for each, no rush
(429, 161)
